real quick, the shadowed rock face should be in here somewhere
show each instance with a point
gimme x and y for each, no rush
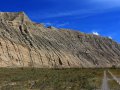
(24, 43)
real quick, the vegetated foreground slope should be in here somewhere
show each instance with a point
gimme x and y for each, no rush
(24, 43)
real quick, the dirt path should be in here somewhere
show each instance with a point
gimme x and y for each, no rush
(105, 82)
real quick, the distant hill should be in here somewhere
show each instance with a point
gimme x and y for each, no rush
(24, 43)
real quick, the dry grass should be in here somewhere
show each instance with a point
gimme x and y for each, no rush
(50, 79)
(112, 83)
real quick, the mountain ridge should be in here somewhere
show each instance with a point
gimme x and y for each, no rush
(28, 44)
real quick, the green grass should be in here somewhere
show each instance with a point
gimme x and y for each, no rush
(50, 79)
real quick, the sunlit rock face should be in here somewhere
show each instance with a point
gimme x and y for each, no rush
(24, 43)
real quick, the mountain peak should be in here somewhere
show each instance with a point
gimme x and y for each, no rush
(14, 16)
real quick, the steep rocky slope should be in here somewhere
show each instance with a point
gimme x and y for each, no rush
(24, 43)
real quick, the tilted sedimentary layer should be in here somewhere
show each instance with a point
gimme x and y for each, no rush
(24, 43)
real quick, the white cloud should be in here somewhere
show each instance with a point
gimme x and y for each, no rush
(48, 24)
(56, 24)
(69, 13)
(110, 37)
(95, 7)
(79, 13)
(96, 33)
(63, 24)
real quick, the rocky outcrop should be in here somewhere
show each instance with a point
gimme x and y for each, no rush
(24, 43)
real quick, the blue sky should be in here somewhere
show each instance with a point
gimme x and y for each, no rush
(90, 16)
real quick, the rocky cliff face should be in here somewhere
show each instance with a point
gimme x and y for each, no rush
(24, 43)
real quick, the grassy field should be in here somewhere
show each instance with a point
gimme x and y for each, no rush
(54, 79)
(50, 79)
